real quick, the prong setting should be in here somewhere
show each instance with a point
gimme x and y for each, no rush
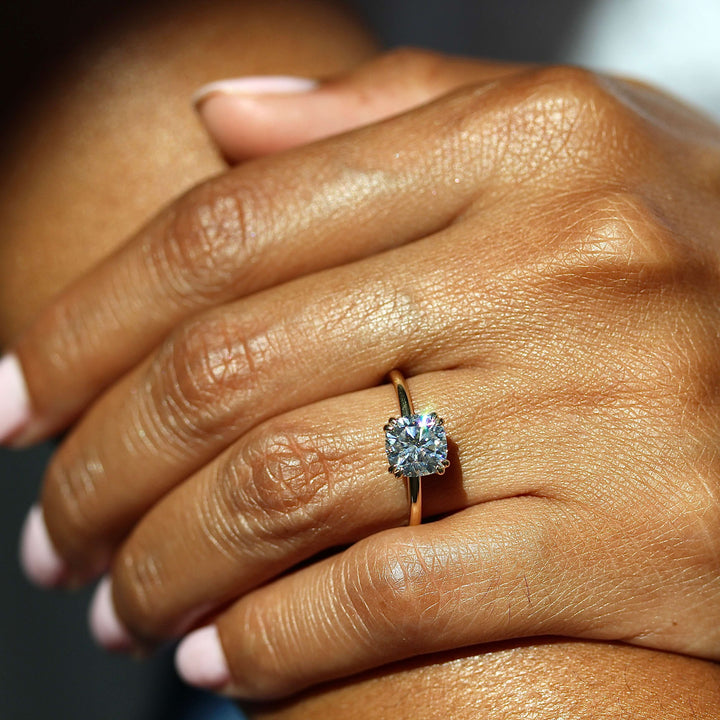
(416, 445)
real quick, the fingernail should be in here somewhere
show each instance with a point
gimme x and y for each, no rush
(255, 85)
(200, 660)
(105, 625)
(38, 558)
(14, 399)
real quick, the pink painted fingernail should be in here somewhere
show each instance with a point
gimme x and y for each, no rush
(105, 625)
(38, 558)
(200, 660)
(255, 85)
(14, 399)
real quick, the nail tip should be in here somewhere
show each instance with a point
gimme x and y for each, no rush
(105, 626)
(39, 560)
(200, 660)
(14, 399)
(254, 85)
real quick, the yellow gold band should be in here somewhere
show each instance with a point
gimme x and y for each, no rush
(414, 485)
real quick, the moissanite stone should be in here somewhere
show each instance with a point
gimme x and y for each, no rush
(416, 445)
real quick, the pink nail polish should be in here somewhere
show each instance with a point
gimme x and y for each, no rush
(200, 660)
(105, 625)
(38, 558)
(14, 399)
(255, 85)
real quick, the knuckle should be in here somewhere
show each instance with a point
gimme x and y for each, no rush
(62, 328)
(205, 367)
(70, 490)
(137, 579)
(661, 288)
(393, 592)
(682, 533)
(689, 355)
(62, 339)
(211, 235)
(268, 649)
(624, 230)
(281, 481)
(551, 119)
(576, 103)
(565, 82)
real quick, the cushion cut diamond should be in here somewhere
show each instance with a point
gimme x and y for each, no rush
(416, 445)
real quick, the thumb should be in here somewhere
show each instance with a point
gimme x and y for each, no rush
(252, 116)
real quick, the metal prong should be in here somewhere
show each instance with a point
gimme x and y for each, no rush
(440, 471)
(446, 463)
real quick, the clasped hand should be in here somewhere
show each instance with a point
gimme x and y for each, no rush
(536, 248)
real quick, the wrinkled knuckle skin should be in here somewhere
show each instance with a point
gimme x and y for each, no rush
(207, 367)
(211, 238)
(62, 331)
(137, 581)
(70, 500)
(393, 594)
(60, 340)
(550, 122)
(660, 286)
(281, 483)
(622, 231)
(580, 105)
(269, 662)
(652, 267)
(689, 365)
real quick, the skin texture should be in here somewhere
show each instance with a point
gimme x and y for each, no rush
(565, 306)
(697, 674)
(545, 680)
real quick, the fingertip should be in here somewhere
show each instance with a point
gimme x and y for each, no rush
(105, 626)
(200, 660)
(255, 116)
(39, 560)
(14, 398)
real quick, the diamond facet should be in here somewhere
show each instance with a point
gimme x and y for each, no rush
(416, 445)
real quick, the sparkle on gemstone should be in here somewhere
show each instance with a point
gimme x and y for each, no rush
(416, 445)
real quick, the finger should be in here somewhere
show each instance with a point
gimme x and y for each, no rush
(253, 116)
(226, 370)
(301, 483)
(313, 479)
(262, 224)
(512, 568)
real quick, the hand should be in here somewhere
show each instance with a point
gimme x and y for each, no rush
(530, 252)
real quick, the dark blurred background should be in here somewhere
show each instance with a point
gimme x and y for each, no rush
(49, 667)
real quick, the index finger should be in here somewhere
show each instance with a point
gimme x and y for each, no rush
(257, 226)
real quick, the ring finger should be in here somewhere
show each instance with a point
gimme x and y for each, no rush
(298, 485)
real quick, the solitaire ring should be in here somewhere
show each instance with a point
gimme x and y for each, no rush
(416, 445)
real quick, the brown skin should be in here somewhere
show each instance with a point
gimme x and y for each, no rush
(546, 680)
(543, 679)
(564, 268)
